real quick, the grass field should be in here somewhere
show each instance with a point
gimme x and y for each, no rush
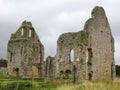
(40, 84)
(111, 85)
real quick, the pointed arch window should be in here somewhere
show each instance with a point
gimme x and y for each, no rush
(22, 32)
(30, 33)
(72, 55)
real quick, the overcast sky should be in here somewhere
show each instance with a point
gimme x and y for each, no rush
(51, 18)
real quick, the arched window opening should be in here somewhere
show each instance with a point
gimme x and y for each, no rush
(72, 55)
(30, 33)
(61, 72)
(90, 75)
(68, 74)
(22, 32)
(90, 55)
(16, 71)
(68, 71)
(11, 56)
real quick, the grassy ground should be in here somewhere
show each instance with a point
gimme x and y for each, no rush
(13, 83)
(111, 85)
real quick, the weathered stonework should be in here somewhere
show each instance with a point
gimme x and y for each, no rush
(66, 43)
(93, 49)
(101, 45)
(25, 52)
(81, 56)
(49, 67)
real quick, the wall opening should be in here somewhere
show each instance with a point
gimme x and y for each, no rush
(22, 32)
(16, 71)
(62, 74)
(89, 62)
(21, 50)
(90, 75)
(68, 74)
(30, 33)
(90, 55)
(10, 56)
(72, 55)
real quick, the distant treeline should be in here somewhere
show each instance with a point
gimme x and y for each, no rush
(117, 70)
(3, 63)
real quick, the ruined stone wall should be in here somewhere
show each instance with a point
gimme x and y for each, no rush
(101, 45)
(25, 52)
(81, 56)
(93, 49)
(67, 43)
(49, 67)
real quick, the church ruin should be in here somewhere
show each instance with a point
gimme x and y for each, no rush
(25, 52)
(87, 54)
(81, 56)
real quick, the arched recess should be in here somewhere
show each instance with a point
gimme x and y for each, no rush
(11, 56)
(61, 72)
(72, 55)
(89, 62)
(22, 32)
(90, 55)
(68, 74)
(30, 33)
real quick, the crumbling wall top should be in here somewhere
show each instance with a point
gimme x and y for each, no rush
(27, 24)
(98, 12)
(26, 32)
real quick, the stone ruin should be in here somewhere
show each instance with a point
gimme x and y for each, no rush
(81, 56)
(25, 52)
(92, 49)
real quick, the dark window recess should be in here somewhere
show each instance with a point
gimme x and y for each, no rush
(90, 55)
(90, 75)
(61, 72)
(67, 74)
(11, 56)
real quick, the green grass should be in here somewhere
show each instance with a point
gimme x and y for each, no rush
(10, 83)
(111, 85)
(2, 73)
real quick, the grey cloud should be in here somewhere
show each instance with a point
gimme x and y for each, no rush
(51, 18)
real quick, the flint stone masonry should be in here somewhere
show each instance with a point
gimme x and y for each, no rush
(81, 56)
(93, 52)
(25, 52)
(50, 66)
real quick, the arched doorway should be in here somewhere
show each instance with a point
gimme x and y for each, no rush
(68, 74)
